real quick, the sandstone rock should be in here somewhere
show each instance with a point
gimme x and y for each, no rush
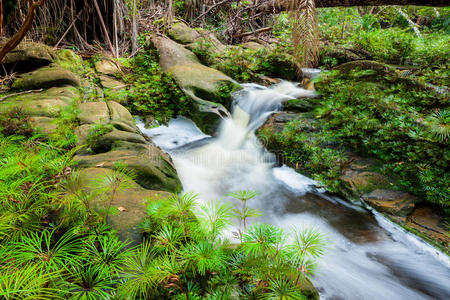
(106, 141)
(124, 126)
(107, 67)
(202, 84)
(358, 183)
(252, 45)
(132, 201)
(153, 167)
(71, 61)
(46, 77)
(120, 114)
(426, 221)
(82, 133)
(48, 103)
(183, 34)
(111, 83)
(172, 53)
(30, 52)
(396, 203)
(93, 112)
(46, 125)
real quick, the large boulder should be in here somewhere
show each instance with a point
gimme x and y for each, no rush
(107, 66)
(120, 115)
(395, 203)
(154, 168)
(207, 87)
(130, 204)
(183, 34)
(28, 56)
(46, 77)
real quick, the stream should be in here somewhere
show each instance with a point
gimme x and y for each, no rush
(367, 256)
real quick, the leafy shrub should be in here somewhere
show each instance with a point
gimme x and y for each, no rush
(393, 122)
(153, 92)
(15, 122)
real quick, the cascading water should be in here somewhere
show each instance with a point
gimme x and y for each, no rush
(368, 257)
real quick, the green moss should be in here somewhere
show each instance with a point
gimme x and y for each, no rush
(97, 131)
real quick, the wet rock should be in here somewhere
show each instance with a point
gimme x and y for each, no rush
(93, 112)
(396, 203)
(153, 167)
(131, 203)
(107, 66)
(46, 77)
(426, 221)
(357, 183)
(204, 85)
(300, 105)
(45, 125)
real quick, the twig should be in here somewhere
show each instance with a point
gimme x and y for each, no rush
(252, 32)
(68, 29)
(21, 93)
(209, 9)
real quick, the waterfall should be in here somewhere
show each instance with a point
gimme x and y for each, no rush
(367, 257)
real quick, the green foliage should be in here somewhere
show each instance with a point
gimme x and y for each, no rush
(246, 65)
(393, 122)
(15, 121)
(188, 245)
(153, 92)
(97, 131)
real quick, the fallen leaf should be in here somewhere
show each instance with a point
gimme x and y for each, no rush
(121, 208)
(100, 165)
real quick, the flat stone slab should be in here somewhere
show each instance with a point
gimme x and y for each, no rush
(129, 203)
(93, 112)
(45, 125)
(154, 168)
(396, 203)
(46, 77)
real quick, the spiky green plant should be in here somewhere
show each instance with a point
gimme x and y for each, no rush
(215, 217)
(26, 283)
(439, 125)
(202, 257)
(111, 183)
(90, 282)
(48, 255)
(168, 239)
(282, 288)
(243, 213)
(262, 240)
(108, 252)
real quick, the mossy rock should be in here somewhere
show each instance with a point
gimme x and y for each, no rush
(29, 53)
(154, 168)
(107, 66)
(48, 103)
(356, 183)
(46, 77)
(183, 34)
(71, 61)
(120, 114)
(93, 112)
(45, 125)
(105, 142)
(130, 204)
(395, 203)
(300, 105)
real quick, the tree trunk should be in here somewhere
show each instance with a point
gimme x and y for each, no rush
(276, 6)
(26, 26)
